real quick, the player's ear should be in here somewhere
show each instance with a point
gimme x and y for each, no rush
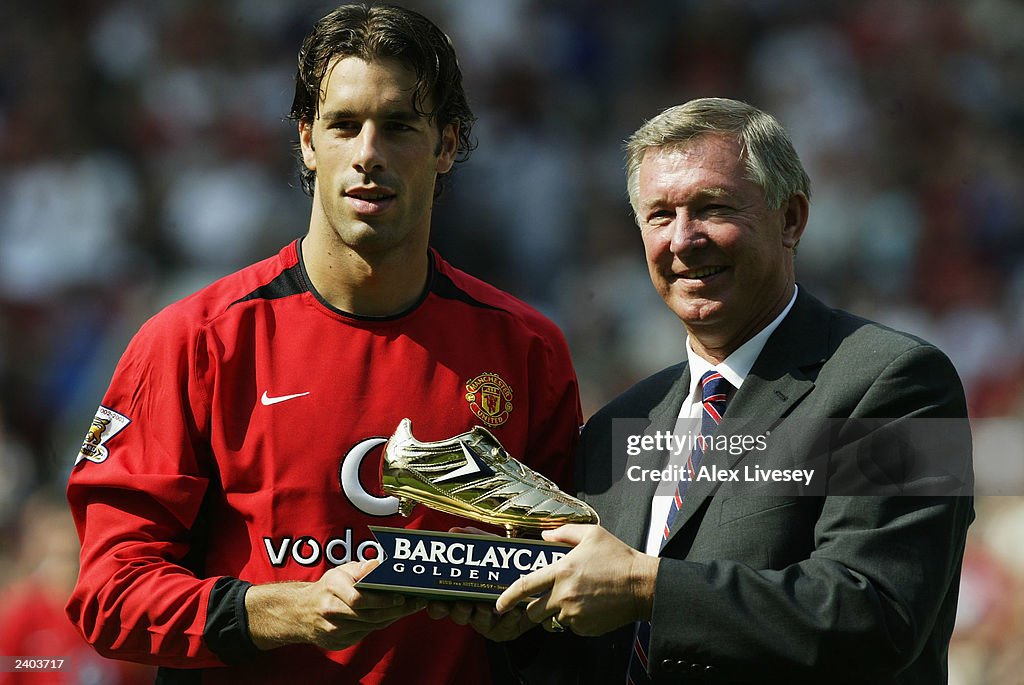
(306, 143)
(448, 147)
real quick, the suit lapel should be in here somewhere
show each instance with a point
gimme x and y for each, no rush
(777, 382)
(632, 523)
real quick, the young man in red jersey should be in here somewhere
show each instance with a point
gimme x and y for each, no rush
(225, 487)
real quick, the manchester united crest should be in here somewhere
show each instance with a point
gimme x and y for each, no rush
(490, 398)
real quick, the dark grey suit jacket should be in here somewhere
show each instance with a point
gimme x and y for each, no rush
(798, 587)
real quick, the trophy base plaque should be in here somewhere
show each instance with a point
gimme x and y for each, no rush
(454, 566)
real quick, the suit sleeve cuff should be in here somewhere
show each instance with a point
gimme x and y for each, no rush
(227, 624)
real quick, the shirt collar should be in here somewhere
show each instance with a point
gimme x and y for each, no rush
(737, 365)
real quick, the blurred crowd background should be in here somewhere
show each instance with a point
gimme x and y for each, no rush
(144, 151)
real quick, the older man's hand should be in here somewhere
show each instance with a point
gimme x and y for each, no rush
(598, 586)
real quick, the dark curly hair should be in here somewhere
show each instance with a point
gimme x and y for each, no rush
(379, 32)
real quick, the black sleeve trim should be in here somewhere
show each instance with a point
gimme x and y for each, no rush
(227, 624)
(287, 283)
(442, 286)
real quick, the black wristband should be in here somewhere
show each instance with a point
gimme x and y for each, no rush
(227, 624)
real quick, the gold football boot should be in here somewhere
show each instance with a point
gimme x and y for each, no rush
(472, 475)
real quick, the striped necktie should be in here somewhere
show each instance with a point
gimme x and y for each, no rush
(714, 394)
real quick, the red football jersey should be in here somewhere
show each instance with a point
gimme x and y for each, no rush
(241, 437)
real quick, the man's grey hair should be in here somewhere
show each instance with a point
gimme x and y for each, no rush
(768, 153)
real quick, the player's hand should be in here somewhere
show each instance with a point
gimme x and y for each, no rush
(343, 615)
(598, 586)
(330, 613)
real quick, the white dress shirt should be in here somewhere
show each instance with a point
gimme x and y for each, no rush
(734, 369)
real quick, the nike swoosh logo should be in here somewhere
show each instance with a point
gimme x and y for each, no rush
(469, 468)
(267, 400)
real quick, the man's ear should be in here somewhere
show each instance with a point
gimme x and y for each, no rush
(795, 213)
(306, 143)
(448, 147)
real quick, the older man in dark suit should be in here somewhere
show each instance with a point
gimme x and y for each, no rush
(852, 578)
